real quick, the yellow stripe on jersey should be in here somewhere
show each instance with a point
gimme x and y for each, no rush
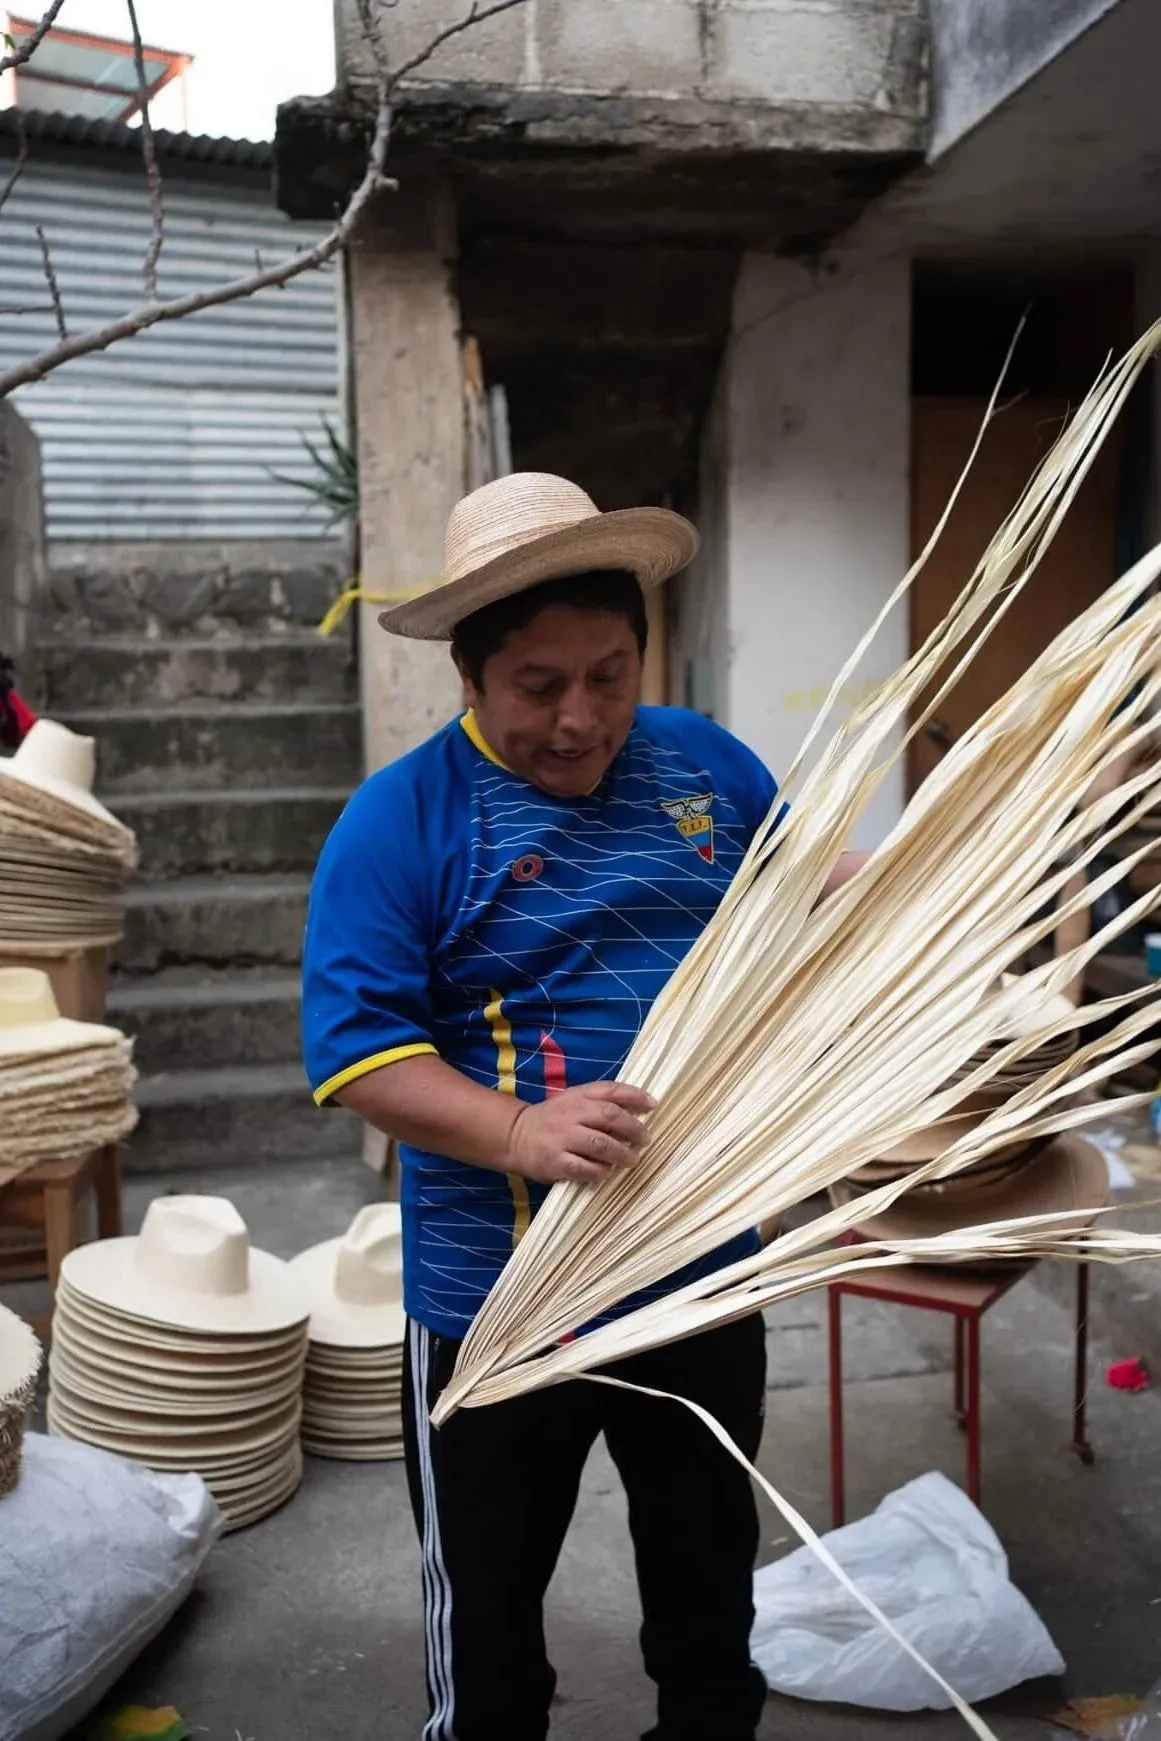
(501, 1029)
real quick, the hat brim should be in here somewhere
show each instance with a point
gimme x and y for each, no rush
(1069, 1175)
(104, 1272)
(652, 543)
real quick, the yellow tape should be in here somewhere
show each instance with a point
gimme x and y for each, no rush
(338, 611)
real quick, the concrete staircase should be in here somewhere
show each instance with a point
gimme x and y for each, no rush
(230, 747)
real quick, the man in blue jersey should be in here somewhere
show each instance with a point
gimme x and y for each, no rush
(490, 921)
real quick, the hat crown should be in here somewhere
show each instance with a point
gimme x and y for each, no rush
(508, 513)
(51, 751)
(26, 998)
(367, 1265)
(197, 1245)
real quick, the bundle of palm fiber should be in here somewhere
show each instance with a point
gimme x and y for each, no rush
(799, 1041)
(65, 860)
(20, 1361)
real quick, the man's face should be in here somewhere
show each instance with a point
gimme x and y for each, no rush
(558, 698)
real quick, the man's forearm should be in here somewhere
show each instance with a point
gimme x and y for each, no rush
(844, 870)
(430, 1105)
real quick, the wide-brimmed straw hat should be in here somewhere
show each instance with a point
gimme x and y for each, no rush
(530, 527)
(20, 1358)
(355, 1284)
(192, 1266)
(61, 765)
(32, 1026)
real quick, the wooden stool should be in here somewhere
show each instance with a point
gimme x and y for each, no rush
(52, 1198)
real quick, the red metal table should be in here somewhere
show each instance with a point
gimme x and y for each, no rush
(966, 1295)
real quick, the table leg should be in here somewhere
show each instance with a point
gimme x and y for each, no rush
(58, 1229)
(108, 1192)
(973, 1409)
(960, 1415)
(837, 1482)
(1080, 1442)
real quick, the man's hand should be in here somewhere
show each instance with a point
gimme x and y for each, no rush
(585, 1134)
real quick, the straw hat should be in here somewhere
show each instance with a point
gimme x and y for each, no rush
(191, 1266)
(31, 1025)
(530, 527)
(20, 1358)
(1069, 1174)
(355, 1284)
(56, 762)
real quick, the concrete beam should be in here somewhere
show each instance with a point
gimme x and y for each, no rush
(22, 542)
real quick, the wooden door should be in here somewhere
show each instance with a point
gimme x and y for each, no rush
(1076, 570)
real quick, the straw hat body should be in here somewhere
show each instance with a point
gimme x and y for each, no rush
(56, 762)
(530, 527)
(20, 1359)
(191, 1266)
(355, 1284)
(31, 1026)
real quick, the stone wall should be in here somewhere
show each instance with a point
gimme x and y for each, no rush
(850, 57)
(22, 549)
(163, 590)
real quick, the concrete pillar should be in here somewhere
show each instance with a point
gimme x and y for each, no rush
(408, 390)
(817, 409)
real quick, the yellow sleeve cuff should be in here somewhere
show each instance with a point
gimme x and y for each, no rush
(365, 1067)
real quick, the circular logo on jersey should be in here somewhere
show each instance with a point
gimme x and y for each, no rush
(528, 868)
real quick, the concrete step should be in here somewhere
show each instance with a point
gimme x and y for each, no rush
(221, 744)
(134, 672)
(237, 1116)
(191, 1019)
(214, 921)
(182, 834)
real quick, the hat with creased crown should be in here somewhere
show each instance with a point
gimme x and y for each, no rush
(530, 527)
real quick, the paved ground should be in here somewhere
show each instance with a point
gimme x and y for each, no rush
(306, 1627)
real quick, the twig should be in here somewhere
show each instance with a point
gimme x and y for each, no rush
(152, 172)
(21, 159)
(478, 15)
(53, 286)
(19, 56)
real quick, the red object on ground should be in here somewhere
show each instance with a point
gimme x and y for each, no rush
(1128, 1375)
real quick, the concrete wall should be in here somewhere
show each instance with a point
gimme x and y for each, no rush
(819, 495)
(22, 546)
(849, 54)
(982, 51)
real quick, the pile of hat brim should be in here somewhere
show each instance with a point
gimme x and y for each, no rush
(65, 1087)
(223, 1405)
(1024, 1177)
(65, 859)
(20, 1359)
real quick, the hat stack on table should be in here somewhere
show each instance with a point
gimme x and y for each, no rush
(354, 1364)
(183, 1349)
(65, 860)
(65, 1087)
(20, 1359)
(1026, 1177)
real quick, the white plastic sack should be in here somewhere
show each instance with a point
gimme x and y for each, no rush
(935, 1567)
(96, 1554)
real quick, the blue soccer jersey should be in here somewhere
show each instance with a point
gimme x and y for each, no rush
(458, 910)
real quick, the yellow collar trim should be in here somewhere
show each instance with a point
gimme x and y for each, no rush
(471, 726)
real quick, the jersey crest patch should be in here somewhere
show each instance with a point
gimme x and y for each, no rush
(693, 821)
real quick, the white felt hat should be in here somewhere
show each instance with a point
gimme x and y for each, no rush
(355, 1284)
(530, 527)
(191, 1267)
(57, 762)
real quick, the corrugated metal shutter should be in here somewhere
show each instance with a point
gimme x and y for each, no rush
(173, 433)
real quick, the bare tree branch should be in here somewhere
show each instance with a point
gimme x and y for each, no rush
(152, 172)
(53, 286)
(19, 56)
(21, 160)
(375, 180)
(478, 15)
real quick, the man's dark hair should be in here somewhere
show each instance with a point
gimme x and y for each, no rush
(608, 591)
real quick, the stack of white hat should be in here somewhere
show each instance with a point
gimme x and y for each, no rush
(183, 1349)
(354, 1365)
(64, 859)
(65, 1087)
(20, 1359)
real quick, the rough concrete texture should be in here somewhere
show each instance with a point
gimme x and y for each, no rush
(850, 55)
(209, 1020)
(184, 833)
(209, 746)
(214, 921)
(308, 1625)
(123, 672)
(22, 547)
(206, 590)
(239, 1114)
